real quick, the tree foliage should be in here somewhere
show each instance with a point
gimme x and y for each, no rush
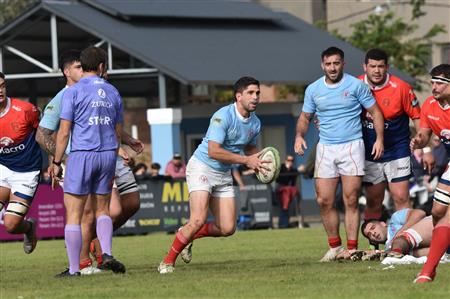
(9, 9)
(409, 54)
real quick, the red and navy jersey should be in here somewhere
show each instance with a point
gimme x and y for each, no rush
(19, 150)
(398, 104)
(436, 118)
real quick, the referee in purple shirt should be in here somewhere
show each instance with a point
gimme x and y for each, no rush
(91, 115)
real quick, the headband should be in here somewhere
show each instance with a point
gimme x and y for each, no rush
(440, 79)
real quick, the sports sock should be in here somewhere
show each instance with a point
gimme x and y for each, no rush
(72, 237)
(104, 233)
(334, 242)
(439, 244)
(177, 246)
(371, 216)
(352, 244)
(204, 231)
(85, 263)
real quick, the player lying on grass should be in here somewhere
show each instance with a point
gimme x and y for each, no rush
(408, 232)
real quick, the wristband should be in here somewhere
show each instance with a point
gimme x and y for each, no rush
(56, 163)
(427, 150)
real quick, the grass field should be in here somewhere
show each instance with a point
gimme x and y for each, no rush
(251, 264)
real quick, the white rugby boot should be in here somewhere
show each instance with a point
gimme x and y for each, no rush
(186, 253)
(331, 254)
(164, 268)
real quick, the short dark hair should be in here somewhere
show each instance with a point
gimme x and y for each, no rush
(91, 58)
(332, 51)
(2, 75)
(155, 166)
(363, 227)
(68, 57)
(139, 166)
(442, 69)
(376, 54)
(242, 83)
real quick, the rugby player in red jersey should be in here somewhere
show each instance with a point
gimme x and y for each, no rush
(398, 103)
(20, 164)
(435, 118)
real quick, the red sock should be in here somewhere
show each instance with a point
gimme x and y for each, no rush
(177, 246)
(85, 263)
(99, 259)
(439, 244)
(399, 250)
(334, 241)
(372, 216)
(204, 231)
(352, 244)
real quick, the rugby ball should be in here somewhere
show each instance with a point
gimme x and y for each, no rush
(269, 154)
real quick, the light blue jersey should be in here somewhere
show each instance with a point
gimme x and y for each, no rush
(50, 120)
(398, 219)
(338, 108)
(228, 128)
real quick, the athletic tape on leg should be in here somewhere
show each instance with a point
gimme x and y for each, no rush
(17, 208)
(441, 196)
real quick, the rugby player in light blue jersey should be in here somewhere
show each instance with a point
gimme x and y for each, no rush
(337, 99)
(232, 131)
(91, 116)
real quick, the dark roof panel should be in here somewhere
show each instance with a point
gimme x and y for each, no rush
(211, 9)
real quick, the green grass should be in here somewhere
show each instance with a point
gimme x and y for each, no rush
(250, 264)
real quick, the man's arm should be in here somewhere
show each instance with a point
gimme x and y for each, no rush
(118, 134)
(378, 123)
(414, 216)
(421, 139)
(217, 152)
(46, 139)
(135, 144)
(428, 159)
(302, 128)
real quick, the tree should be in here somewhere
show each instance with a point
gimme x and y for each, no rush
(392, 34)
(9, 9)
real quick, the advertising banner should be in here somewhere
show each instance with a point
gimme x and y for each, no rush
(48, 209)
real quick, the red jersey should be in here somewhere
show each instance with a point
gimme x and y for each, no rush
(436, 118)
(398, 104)
(19, 150)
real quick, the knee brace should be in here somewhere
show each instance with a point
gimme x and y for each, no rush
(17, 208)
(441, 196)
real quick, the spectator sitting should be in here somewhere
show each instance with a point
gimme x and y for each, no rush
(154, 172)
(176, 168)
(140, 171)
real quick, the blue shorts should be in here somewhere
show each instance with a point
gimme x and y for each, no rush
(90, 172)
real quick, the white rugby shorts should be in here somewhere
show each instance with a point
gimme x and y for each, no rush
(445, 178)
(392, 171)
(124, 178)
(335, 160)
(21, 184)
(201, 177)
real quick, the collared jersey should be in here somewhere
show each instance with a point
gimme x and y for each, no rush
(50, 120)
(228, 128)
(94, 107)
(398, 104)
(19, 150)
(436, 118)
(338, 108)
(398, 219)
